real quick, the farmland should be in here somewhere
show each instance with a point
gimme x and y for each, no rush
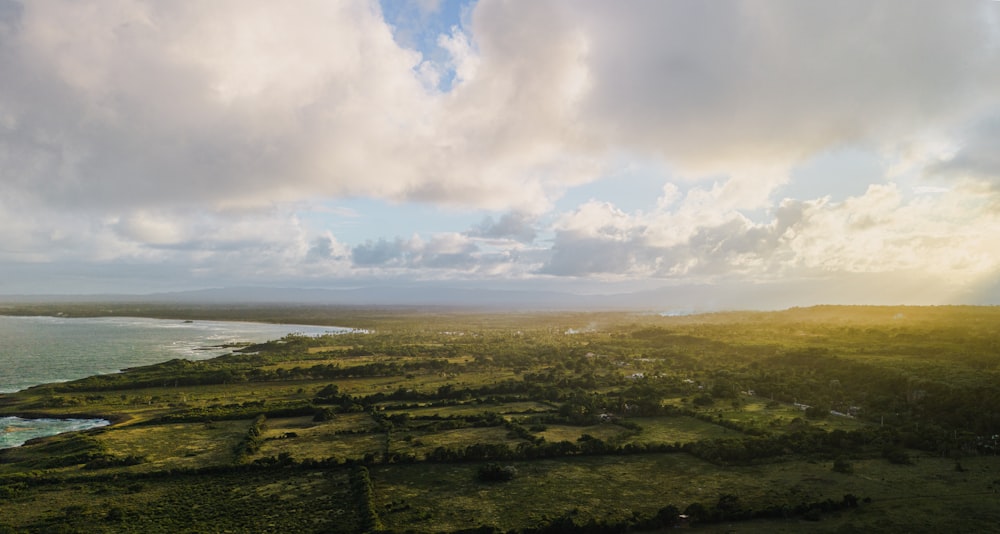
(824, 419)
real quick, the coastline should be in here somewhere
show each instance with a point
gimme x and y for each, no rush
(197, 339)
(113, 419)
(99, 345)
(17, 431)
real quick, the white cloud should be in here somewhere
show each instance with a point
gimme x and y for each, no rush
(463, 59)
(447, 256)
(713, 86)
(516, 226)
(445, 251)
(975, 154)
(944, 236)
(149, 229)
(192, 134)
(137, 103)
(224, 103)
(144, 104)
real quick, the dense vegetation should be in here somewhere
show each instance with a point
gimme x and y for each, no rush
(831, 418)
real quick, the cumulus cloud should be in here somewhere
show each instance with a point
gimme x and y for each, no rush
(446, 251)
(217, 248)
(881, 231)
(446, 256)
(138, 103)
(149, 229)
(584, 256)
(975, 154)
(516, 226)
(716, 85)
(379, 252)
(188, 132)
(941, 235)
(131, 102)
(326, 248)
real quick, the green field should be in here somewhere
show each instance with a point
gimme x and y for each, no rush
(609, 488)
(443, 422)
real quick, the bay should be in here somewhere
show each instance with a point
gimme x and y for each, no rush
(14, 431)
(40, 350)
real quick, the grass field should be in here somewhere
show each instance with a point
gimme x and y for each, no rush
(177, 446)
(605, 432)
(348, 436)
(775, 416)
(677, 429)
(423, 443)
(413, 497)
(240, 502)
(475, 408)
(200, 458)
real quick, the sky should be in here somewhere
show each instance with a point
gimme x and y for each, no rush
(790, 152)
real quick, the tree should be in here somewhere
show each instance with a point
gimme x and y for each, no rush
(896, 455)
(703, 400)
(697, 512)
(668, 516)
(728, 503)
(842, 465)
(493, 472)
(324, 414)
(115, 515)
(814, 412)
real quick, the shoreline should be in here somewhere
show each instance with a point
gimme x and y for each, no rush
(52, 425)
(199, 340)
(113, 419)
(57, 420)
(332, 316)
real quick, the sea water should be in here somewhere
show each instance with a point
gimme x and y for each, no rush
(39, 350)
(14, 431)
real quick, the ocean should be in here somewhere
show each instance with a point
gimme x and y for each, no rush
(39, 350)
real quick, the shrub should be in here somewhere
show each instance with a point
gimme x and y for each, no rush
(897, 455)
(492, 472)
(703, 400)
(841, 465)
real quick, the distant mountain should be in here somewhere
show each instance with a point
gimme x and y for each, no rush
(363, 296)
(444, 296)
(673, 300)
(381, 296)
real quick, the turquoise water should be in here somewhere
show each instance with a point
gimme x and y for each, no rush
(38, 350)
(14, 431)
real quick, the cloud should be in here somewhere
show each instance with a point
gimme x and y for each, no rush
(381, 252)
(881, 231)
(445, 256)
(326, 248)
(146, 104)
(712, 86)
(510, 226)
(584, 256)
(225, 246)
(194, 135)
(149, 229)
(975, 154)
(228, 103)
(445, 251)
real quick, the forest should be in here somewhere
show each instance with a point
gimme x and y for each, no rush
(823, 419)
